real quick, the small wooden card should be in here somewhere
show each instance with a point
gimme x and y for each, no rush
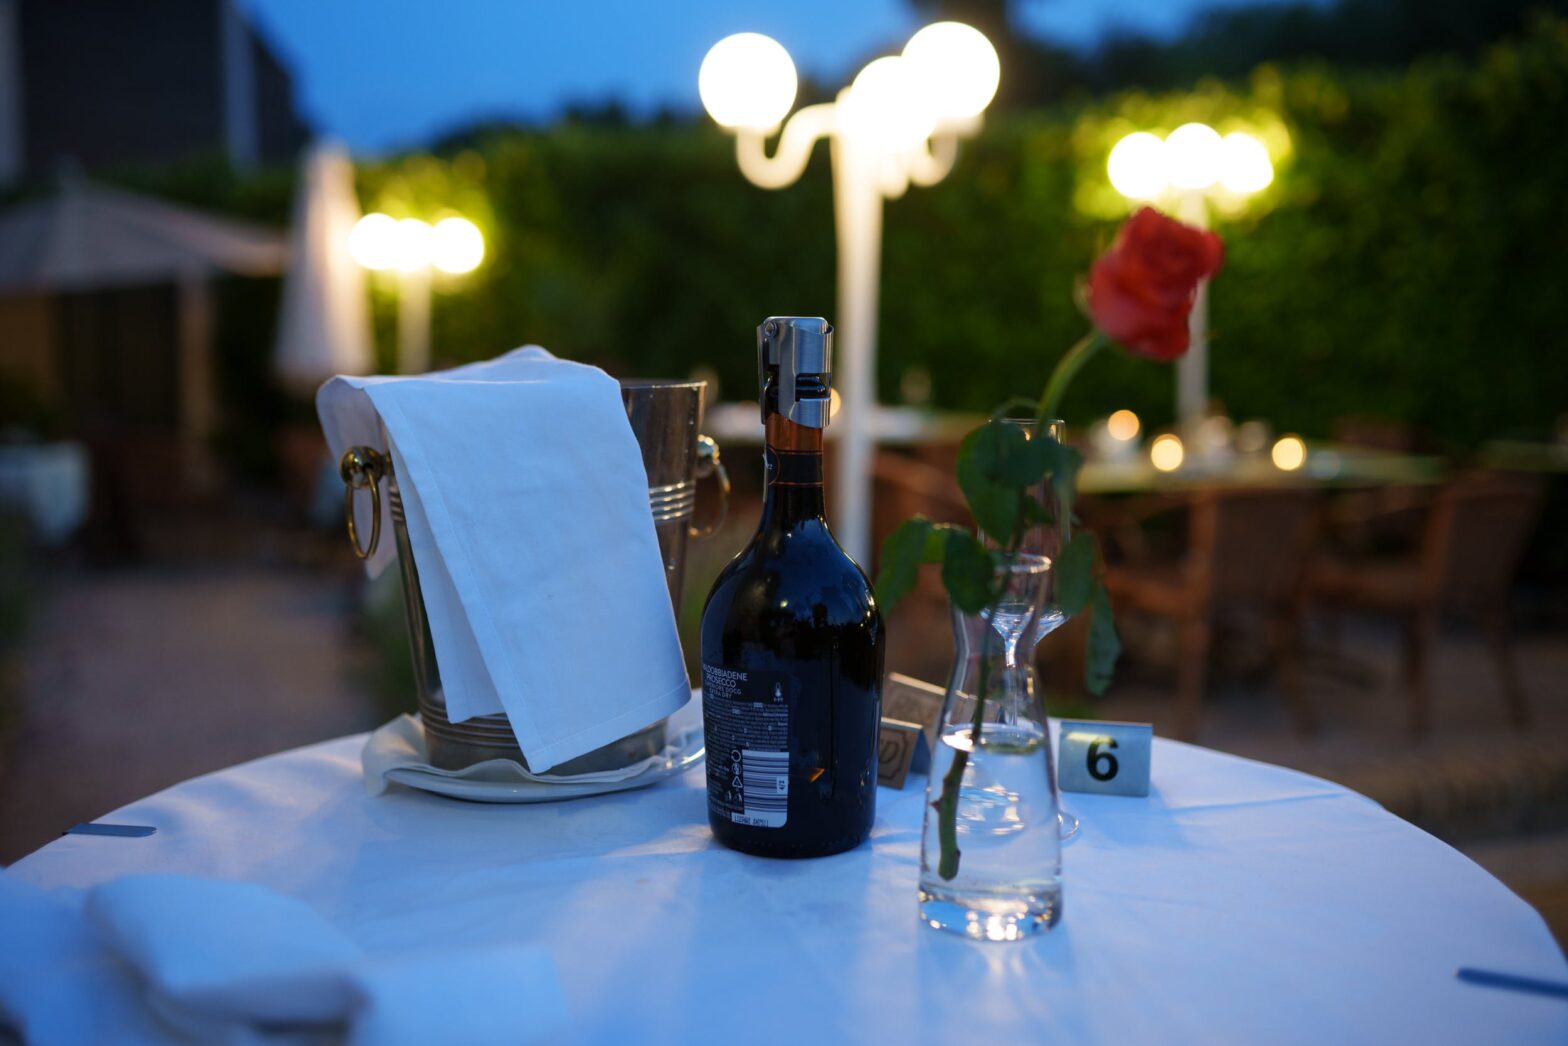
(899, 745)
(911, 709)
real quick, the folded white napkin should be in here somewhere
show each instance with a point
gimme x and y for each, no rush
(527, 509)
(59, 982)
(176, 958)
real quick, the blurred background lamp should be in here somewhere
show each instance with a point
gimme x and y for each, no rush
(885, 105)
(1289, 453)
(372, 242)
(1137, 166)
(1123, 425)
(1166, 453)
(954, 67)
(457, 246)
(1192, 155)
(747, 82)
(1244, 164)
(411, 245)
(896, 125)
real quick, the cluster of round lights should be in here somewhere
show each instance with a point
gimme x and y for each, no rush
(1166, 453)
(947, 72)
(452, 245)
(1193, 157)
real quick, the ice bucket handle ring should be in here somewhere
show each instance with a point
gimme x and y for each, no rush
(362, 468)
(708, 464)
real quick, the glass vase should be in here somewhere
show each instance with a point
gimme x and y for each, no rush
(992, 791)
(1048, 540)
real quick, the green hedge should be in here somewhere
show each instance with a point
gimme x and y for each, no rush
(1406, 263)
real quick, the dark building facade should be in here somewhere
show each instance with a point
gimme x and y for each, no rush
(104, 83)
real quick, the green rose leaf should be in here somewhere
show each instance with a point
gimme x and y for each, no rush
(1003, 453)
(994, 505)
(916, 541)
(1036, 514)
(1074, 574)
(1064, 478)
(902, 553)
(990, 460)
(1104, 645)
(967, 571)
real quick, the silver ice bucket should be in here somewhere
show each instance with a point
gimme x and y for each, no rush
(664, 416)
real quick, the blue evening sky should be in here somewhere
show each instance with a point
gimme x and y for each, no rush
(381, 74)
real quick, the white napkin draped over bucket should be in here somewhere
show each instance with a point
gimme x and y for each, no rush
(527, 509)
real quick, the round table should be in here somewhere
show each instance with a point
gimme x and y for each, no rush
(1239, 902)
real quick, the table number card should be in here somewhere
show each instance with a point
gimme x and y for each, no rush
(1108, 758)
(910, 711)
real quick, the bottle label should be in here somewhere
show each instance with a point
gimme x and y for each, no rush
(745, 719)
(792, 468)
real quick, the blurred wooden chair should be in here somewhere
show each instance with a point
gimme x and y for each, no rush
(1465, 560)
(1244, 548)
(1385, 519)
(904, 486)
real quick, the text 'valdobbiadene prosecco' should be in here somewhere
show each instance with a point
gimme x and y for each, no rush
(792, 642)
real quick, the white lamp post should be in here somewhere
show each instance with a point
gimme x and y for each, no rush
(1189, 164)
(412, 248)
(897, 124)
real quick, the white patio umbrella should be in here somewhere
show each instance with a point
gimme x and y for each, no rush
(89, 237)
(324, 327)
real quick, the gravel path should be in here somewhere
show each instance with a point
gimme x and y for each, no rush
(133, 680)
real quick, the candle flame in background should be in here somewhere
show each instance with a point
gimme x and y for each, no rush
(1123, 425)
(1289, 453)
(1166, 452)
(747, 82)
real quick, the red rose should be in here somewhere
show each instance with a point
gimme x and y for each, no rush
(1142, 289)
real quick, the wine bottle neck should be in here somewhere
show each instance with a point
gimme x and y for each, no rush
(792, 458)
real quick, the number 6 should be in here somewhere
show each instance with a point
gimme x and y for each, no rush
(1102, 765)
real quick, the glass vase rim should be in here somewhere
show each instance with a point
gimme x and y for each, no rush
(1033, 423)
(1025, 564)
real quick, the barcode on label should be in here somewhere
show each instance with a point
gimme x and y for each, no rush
(765, 788)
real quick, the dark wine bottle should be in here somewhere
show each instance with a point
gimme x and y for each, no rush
(792, 642)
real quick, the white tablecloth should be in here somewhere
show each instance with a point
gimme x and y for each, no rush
(1240, 902)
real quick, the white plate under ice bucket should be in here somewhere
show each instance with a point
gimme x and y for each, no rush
(396, 753)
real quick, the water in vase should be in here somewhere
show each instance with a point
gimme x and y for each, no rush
(1009, 881)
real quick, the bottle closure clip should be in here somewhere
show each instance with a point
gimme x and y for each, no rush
(795, 360)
